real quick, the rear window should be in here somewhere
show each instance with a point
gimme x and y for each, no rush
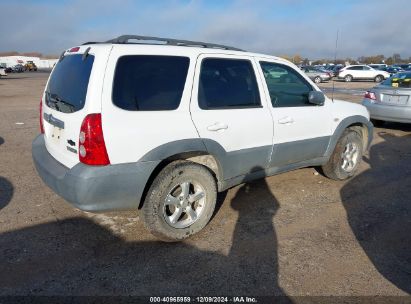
(67, 88)
(149, 83)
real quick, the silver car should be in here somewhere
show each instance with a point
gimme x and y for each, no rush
(390, 100)
(316, 74)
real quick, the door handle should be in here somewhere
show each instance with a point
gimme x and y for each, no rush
(286, 120)
(217, 126)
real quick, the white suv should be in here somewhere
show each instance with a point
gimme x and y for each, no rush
(362, 72)
(163, 128)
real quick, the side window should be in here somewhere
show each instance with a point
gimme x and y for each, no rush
(287, 87)
(149, 83)
(365, 68)
(227, 83)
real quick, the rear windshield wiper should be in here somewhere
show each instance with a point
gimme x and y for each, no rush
(60, 104)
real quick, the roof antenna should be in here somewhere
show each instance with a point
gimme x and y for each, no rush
(335, 62)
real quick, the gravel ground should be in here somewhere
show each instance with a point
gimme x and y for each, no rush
(294, 234)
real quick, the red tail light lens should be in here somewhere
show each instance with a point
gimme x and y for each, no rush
(74, 49)
(41, 117)
(92, 148)
(370, 95)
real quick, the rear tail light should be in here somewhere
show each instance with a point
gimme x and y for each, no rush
(74, 49)
(370, 95)
(41, 117)
(92, 148)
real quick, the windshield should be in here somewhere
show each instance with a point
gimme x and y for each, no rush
(67, 88)
(398, 80)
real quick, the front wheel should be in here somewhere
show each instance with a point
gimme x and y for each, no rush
(180, 202)
(346, 157)
(317, 79)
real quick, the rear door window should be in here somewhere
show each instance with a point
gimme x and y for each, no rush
(227, 84)
(149, 83)
(67, 88)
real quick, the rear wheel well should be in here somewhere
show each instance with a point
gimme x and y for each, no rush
(202, 158)
(362, 130)
(379, 76)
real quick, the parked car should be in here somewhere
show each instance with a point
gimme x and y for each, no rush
(316, 74)
(8, 69)
(379, 66)
(390, 100)
(2, 72)
(362, 72)
(393, 70)
(18, 68)
(405, 66)
(164, 127)
(336, 69)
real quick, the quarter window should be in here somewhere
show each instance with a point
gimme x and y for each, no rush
(287, 88)
(227, 83)
(149, 83)
(355, 68)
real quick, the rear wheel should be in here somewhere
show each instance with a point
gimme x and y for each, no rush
(180, 202)
(346, 156)
(378, 78)
(348, 78)
(317, 79)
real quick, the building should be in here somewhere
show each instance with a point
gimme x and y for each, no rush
(9, 61)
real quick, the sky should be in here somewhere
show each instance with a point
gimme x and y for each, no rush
(283, 27)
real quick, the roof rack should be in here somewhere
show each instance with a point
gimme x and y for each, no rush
(167, 41)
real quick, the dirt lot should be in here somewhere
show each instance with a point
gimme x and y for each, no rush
(293, 234)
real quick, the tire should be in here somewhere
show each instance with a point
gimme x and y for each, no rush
(317, 79)
(378, 78)
(159, 212)
(336, 168)
(377, 122)
(348, 78)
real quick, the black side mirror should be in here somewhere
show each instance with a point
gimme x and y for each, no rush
(316, 97)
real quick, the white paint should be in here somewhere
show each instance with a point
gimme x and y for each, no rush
(246, 128)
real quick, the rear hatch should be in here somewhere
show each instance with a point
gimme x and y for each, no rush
(73, 91)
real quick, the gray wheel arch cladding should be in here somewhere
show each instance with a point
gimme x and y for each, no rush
(227, 162)
(194, 145)
(344, 124)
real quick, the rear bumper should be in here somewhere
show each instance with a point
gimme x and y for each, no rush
(93, 188)
(388, 112)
